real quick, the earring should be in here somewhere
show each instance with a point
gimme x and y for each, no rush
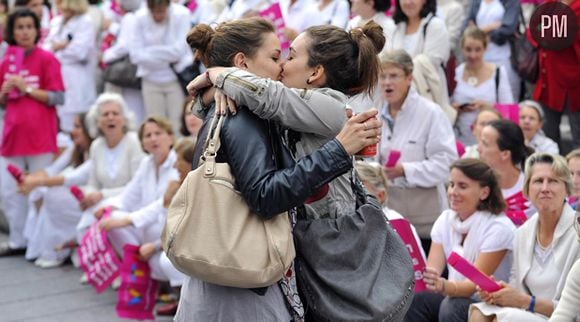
(308, 81)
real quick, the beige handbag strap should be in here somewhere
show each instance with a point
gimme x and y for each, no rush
(212, 146)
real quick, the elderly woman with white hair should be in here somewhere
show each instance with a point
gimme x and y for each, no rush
(115, 154)
(531, 122)
(545, 249)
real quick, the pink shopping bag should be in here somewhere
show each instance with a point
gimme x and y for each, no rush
(403, 229)
(137, 291)
(274, 14)
(509, 112)
(97, 257)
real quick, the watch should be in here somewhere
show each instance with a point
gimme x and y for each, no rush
(29, 90)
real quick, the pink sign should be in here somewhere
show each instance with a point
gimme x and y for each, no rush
(518, 217)
(393, 158)
(192, 5)
(403, 229)
(15, 55)
(137, 291)
(16, 173)
(469, 271)
(274, 14)
(77, 193)
(97, 257)
(509, 112)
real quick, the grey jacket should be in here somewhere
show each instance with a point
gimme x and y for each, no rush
(317, 114)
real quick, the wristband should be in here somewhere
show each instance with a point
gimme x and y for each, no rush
(532, 306)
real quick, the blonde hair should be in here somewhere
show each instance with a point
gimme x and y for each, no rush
(160, 121)
(372, 173)
(559, 167)
(573, 155)
(76, 7)
(474, 33)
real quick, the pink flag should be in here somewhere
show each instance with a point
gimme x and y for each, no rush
(274, 14)
(137, 291)
(15, 172)
(403, 229)
(15, 55)
(471, 272)
(509, 112)
(393, 158)
(97, 257)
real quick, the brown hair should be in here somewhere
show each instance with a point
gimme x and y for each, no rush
(218, 47)
(162, 122)
(349, 58)
(474, 33)
(479, 171)
(78, 155)
(185, 148)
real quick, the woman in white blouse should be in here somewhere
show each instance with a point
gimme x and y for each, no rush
(499, 20)
(479, 84)
(139, 212)
(484, 117)
(54, 212)
(475, 228)
(159, 50)
(545, 249)
(115, 155)
(329, 12)
(72, 40)
(531, 122)
(419, 31)
(419, 129)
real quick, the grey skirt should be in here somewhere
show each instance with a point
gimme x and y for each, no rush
(201, 301)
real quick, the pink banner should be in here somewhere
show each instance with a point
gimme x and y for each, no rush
(15, 55)
(403, 229)
(509, 112)
(97, 257)
(471, 272)
(274, 14)
(137, 291)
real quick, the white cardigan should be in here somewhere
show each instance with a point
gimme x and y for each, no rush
(566, 250)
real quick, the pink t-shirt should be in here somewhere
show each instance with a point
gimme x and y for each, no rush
(30, 127)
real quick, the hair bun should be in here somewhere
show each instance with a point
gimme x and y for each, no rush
(375, 33)
(199, 38)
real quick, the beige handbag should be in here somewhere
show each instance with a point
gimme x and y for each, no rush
(212, 234)
(421, 206)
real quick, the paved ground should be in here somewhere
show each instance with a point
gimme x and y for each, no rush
(31, 294)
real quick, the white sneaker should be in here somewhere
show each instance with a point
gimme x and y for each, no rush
(116, 283)
(84, 279)
(45, 263)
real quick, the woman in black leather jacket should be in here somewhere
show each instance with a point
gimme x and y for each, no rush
(266, 176)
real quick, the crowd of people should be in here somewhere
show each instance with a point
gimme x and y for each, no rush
(468, 152)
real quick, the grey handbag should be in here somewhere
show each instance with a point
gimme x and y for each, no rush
(355, 267)
(123, 73)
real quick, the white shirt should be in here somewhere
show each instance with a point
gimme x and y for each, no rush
(296, 16)
(541, 143)
(490, 233)
(489, 13)
(155, 46)
(423, 135)
(335, 13)
(147, 188)
(239, 8)
(486, 91)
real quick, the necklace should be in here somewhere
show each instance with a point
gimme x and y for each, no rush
(472, 79)
(538, 241)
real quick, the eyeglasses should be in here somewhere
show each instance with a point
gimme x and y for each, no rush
(391, 77)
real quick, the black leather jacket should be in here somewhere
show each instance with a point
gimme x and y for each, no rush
(271, 185)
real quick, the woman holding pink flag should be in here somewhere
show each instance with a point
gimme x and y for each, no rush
(31, 85)
(476, 228)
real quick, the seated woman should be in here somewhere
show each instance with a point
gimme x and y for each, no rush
(53, 222)
(479, 84)
(545, 249)
(531, 123)
(115, 155)
(573, 159)
(502, 147)
(484, 116)
(475, 228)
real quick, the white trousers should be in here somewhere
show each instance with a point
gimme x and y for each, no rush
(164, 100)
(15, 204)
(55, 224)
